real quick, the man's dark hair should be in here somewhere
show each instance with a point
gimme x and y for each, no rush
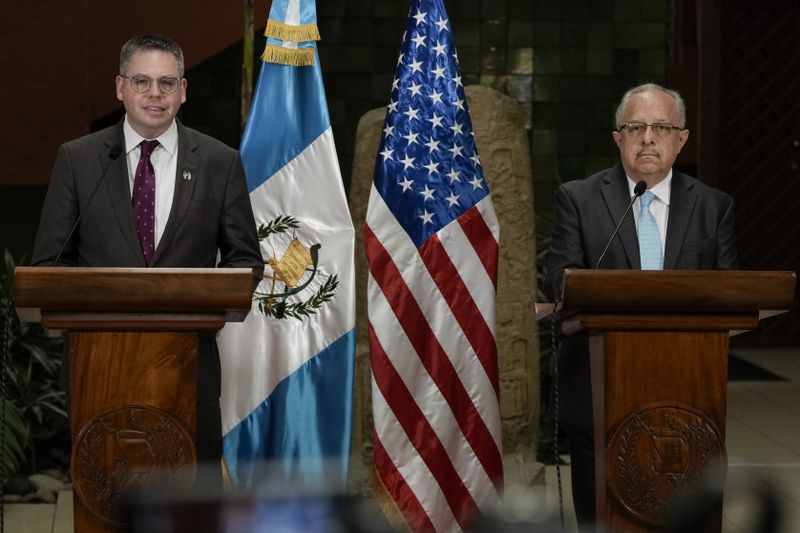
(146, 42)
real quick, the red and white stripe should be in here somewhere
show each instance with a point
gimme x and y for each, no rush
(434, 365)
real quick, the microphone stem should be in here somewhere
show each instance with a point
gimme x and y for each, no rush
(637, 192)
(113, 155)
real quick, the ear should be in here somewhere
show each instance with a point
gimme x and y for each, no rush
(183, 90)
(683, 136)
(617, 138)
(119, 83)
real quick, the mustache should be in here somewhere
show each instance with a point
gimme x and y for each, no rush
(648, 151)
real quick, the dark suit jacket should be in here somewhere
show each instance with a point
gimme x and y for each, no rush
(210, 213)
(700, 235)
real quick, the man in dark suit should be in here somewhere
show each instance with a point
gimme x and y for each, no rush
(172, 197)
(694, 229)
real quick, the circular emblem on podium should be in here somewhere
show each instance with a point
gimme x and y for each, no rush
(127, 450)
(659, 455)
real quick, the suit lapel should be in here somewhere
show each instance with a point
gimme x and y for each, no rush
(119, 192)
(187, 172)
(617, 197)
(682, 201)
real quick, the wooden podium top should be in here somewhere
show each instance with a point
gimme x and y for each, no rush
(735, 300)
(705, 291)
(57, 296)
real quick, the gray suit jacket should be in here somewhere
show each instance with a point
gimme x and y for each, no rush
(700, 236)
(210, 213)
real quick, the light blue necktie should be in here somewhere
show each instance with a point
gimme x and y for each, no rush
(652, 257)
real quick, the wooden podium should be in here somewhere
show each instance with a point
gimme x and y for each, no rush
(659, 360)
(133, 342)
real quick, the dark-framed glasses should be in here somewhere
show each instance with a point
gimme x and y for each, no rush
(141, 84)
(659, 129)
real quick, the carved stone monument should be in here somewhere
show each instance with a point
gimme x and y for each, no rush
(503, 148)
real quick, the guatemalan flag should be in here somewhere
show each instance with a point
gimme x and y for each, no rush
(431, 239)
(287, 371)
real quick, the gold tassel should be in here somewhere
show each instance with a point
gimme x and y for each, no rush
(227, 480)
(297, 34)
(296, 57)
(387, 504)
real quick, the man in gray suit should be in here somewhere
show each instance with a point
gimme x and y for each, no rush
(694, 229)
(170, 197)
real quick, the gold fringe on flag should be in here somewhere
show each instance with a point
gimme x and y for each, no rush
(297, 34)
(227, 480)
(296, 57)
(386, 503)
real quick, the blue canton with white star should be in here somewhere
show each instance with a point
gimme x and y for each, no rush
(427, 169)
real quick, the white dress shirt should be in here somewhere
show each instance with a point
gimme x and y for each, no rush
(165, 162)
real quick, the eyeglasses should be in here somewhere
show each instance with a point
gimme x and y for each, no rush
(141, 84)
(659, 129)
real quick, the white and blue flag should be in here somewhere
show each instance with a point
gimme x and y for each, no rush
(287, 370)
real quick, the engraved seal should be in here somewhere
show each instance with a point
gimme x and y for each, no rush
(126, 450)
(660, 454)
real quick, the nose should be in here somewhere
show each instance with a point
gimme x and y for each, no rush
(154, 89)
(648, 137)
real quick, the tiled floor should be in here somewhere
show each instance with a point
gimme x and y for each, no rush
(40, 517)
(763, 442)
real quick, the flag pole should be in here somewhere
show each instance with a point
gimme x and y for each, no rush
(247, 62)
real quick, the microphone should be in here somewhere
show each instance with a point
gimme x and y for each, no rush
(113, 154)
(637, 192)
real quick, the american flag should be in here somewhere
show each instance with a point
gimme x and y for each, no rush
(431, 239)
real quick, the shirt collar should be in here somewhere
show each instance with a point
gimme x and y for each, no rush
(168, 140)
(661, 190)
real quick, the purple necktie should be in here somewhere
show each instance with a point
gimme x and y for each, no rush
(144, 200)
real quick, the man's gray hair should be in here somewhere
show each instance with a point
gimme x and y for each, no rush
(147, 42)
(649, 87)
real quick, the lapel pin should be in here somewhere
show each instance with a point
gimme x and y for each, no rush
(187, 175)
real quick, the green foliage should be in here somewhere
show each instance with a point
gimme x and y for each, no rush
(15, 435)
(278, 308)
(281, 224)
(35, 401)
